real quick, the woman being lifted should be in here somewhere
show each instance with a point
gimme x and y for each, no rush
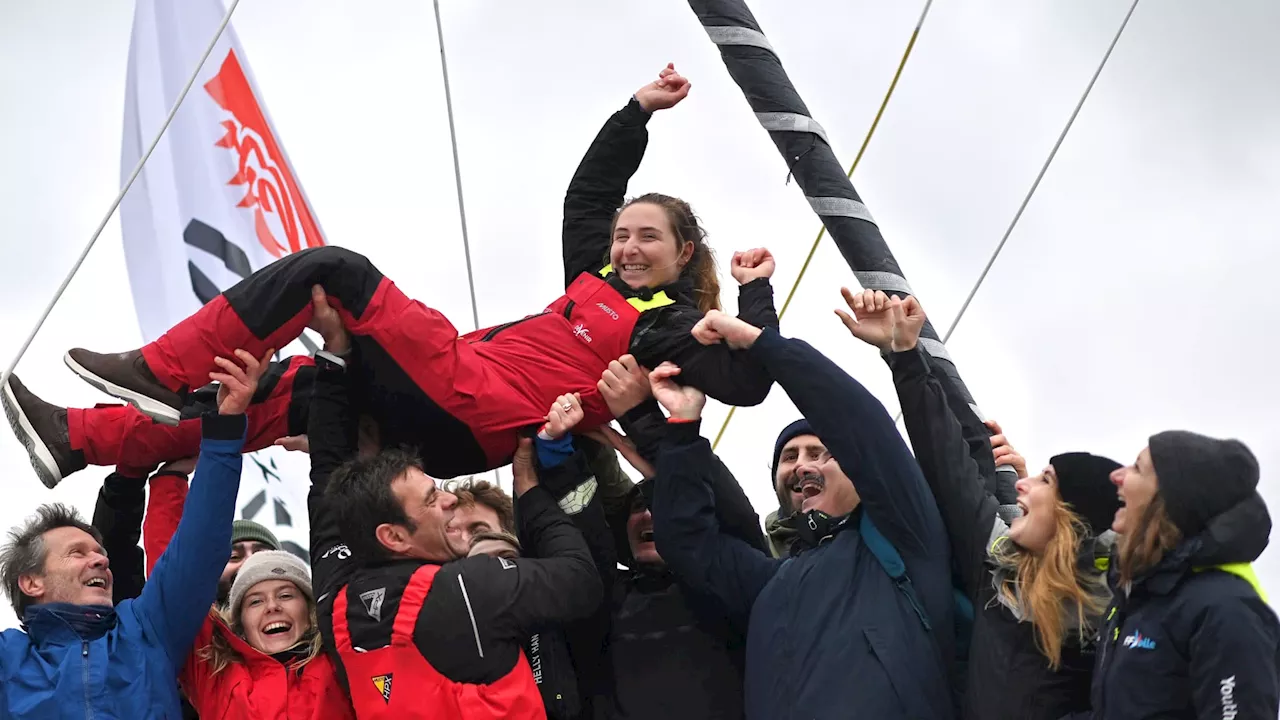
(638, 279)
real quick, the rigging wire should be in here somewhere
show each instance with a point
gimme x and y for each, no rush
(858, 158)
(457, 167)
(137, 170)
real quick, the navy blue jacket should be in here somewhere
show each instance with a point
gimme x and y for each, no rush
(98, 662)
(1192, 641)
(829, 634)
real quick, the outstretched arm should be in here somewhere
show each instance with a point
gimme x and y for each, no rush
(118, 516)
(852, 424)
(937, 436)
(600, 183)
(184, 582)
(689, 536)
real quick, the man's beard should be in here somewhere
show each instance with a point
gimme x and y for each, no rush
(224, 590)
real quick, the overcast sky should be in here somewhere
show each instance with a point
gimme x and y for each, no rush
(1132, 298)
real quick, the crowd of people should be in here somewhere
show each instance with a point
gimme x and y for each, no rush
(889, 583)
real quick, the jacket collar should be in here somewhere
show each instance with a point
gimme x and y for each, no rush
(681, 290)
(64, 623)
(1238, 535)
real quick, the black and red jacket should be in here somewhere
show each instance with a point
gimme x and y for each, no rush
(467, 620)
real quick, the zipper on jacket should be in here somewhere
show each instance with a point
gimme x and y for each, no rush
(84, 654)
(490, 335)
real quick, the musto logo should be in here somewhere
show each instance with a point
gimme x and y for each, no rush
(279, 211)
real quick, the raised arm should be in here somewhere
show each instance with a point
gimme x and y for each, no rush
(118, 516)
(853, 425)
(753, 270)
(940, 441)
(165, 502)
(599, 185)
(707, 560)
(184, 582)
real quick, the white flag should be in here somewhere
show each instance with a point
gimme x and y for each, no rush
(216, 201)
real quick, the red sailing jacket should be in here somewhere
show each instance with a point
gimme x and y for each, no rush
(396, 682)
(592, 324)
(259, 686)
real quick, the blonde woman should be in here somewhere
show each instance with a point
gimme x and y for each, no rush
(1037, 584)
(261, 657)
(1189, 633)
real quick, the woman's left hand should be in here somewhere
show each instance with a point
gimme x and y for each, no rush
(236, 385)
(565, 413)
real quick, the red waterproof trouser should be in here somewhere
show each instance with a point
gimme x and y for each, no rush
(123, 436)
(464, 399)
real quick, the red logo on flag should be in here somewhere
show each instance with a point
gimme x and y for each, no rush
(270, 188)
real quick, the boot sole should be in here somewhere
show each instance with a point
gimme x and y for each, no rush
(41, 459)
(148, 406)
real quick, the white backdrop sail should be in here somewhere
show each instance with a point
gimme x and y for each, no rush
(216, 201)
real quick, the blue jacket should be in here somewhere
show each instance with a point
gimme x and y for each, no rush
(829, 634)
(1194, 637)
(122, 663)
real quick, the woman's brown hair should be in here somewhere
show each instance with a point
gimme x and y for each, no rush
(1050, 587)
(220, 654)
(687, 229)
(1143, 547)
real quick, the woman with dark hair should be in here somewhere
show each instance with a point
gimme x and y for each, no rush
(1037, 584)
(638, 279)
(1189, 633)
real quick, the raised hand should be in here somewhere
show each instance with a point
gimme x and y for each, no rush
(606, 435)
(716, 327)
(565, 413)
(683, 402)
(523, 475)
(669, 89)
(326, 321)
(623, 385)
(1004, 452)
(751, 264)
(237, 385)
(888, 323)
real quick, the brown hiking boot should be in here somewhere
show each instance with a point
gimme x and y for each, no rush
(42, 430)
(126, 376)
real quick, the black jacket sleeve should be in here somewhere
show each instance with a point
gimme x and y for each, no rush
(755, 304)
(863, 438)
(1235, 641)
(118, 516)
(598, 189)
(579, 494)
(556, 584)
(331, 433)
(968, 510)
(706, 560)
(647, 427)
(731, 376)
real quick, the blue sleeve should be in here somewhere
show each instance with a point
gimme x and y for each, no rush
(689, 538)
(184, 582)
(861, 436)
(553, 453)
(1233, 660)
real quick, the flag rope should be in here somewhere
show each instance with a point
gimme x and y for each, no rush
(137, 170)
(911, 43)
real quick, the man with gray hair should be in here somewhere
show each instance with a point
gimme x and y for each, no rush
(77, 654)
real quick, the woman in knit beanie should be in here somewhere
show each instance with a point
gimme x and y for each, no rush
(1189, 633)
(1036, 592)
(261, 657)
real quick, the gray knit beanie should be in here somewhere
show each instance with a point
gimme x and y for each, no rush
(269, 565)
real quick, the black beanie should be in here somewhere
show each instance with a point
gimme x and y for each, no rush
(794, 430)
(1084, 482)
(1201, 477)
